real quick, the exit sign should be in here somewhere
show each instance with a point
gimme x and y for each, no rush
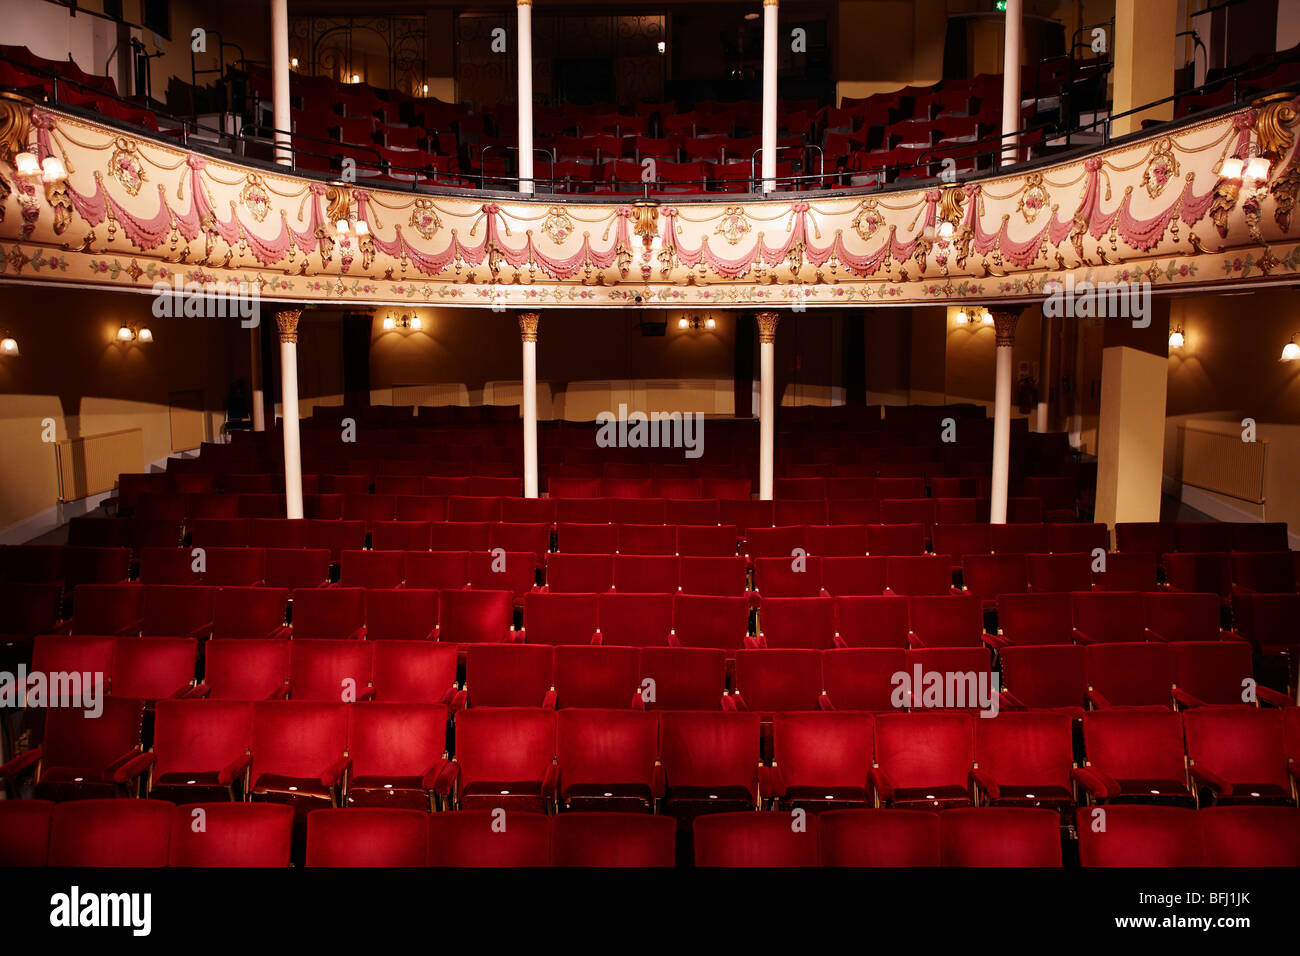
(1002, 6)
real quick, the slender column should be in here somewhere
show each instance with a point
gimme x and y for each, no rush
(281, 116)
(287, 321)
(524, 42)
(1045, 372)
(1011, 80)
(769, 94)
(528, 323)
(1004, 322)
(255, 380)
(766, 404)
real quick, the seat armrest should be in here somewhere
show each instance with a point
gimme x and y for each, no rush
(659, 782)
(1095, 782)
(771, 781)
(1081, 637)
(1268, 695)
(447, 778)
(983, 780)
(1211, 779)
(199, 691)
(334, 774)
(1185, 700)
(1011, 702)
(551, 781)
(753, 642)
(1098, 700)
(881, 783)
(20, 763)
(131, 767)
(738, 702)
(548, 701)
(430, 780)
(232, 770)
(993, 641)
(824, 702)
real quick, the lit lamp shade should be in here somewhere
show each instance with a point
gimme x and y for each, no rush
(9, 345)
(710, 323)
(945, 230)
(683, 323)
(27, 164)
(53, 170)
(363, 228)
(341, 227)
(962, 318)
(988, 318)
(144, 335)
(1176, 339)
(1290, 352)
(416, 323)
(389, 323)
(1257, 168)
(124, 334)
(1232, 168)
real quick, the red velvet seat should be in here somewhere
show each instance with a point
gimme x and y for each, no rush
(635, 620)
(107, 609)
(1060, 572)
(820, 761)
(786, 513)
(862, 678)
(710, 762)
(219, 532)
(234, 834)
(489, 838)
(796, 622)
(645, 573)
(1251, 836)
(837, 540)
(513, 571)
(1217, 673)
(768, 681)
(755, 839)
(1018, 538)
(330, 670)
(248, 669)
(473, 617)
(1182, 617)
(924, 760)
(872, 621)
(958, 540)
(945, 621)
(408, 672)
(579, 573)
(437, 570)
(799, 577)
(1262, 536)
(329, 613)
(401, 614)
(1000, 836)
(505, 758)
(1068, 537)
(645, 539)
(1151, 537)
(710, 621)
(695, 513)
(682, 678)
(398, 752)
(1024, 760)
(1134, 755)
(74, 654)
(967, 683)
(988, 576)
(612, 839)
(1239, 754)
(473, 508)
(710, 540)
(1142, 836)
(863, 511)
(177, 611)
(531, 536)
(586, 538)
(896, 539)
(1270, 572)
(1109, 617)
(234, 567)
(25, 832)
(371, 569)
(111, 833)
(1199, 572)
(1268, 621)
(154, 668)
(459, 535)
(335, 536)
(608, 759)
(1203, 536)
(1045, 677)
(170, 566)
(299, 753)
(200, 749)
(400, 535)
(551, 618)
(293, 568)
(1033, 619)
(919, 574)
(596, 676)
(857, 576)
(879, 838)
(722, 576)
(1130, 675)
(777, 543)
(420, 508)
(367, 837)
(509, 675)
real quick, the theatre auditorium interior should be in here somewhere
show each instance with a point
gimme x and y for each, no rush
(807, 433)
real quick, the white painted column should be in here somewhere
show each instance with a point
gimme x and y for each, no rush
(1011, 79)
(767, 401)
(528, 323)
(287, 322)
(255, 380)
(281, 115)
(524, 41)
(1005, 324)
(768, 156)
(1044, 372)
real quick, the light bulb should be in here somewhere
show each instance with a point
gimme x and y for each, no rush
(424, 88)
(945, 230)
(294, 63)
(1290, 352)
(363, 228)
(710, 323)
(8, 345)
(683, 323)
(389, 323)
(416, 324)
(144, 335)
(124, 334)
(1176, 339)
(662, 46)
(356, 78)
(1256, 169)
(962, 317)
(341, 227)
(27, 164)
(1232, 168)
(988, 318)
(53, 170)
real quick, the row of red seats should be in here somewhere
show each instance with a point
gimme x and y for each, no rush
(157, 833)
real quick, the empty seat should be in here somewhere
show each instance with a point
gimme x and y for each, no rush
(25, 832)
(1251, 836)
(299, 752)
(233, 834)
(1141, 836)
(371, 569)
(921, 574)
(437, 570)
(594, 676)
(924, 760)
(107, 609)
(293, 568)
(154, 668)
(459, 536)
(509, 675)
(612, 839)
(551, 618)
(1264, 536)
(1134, 755)
(1238, 754)
(586, 538)
(200, 749)
(1034, 619)
(330, 670)
(409, 672)
(1203, 536)
(755, 839)
(645, 573)
(234, 567)
(1000, 836)
(1218, 673)
(401, 614)
(249, 669)
(862, 678)
(1199, 572)
(879, 838)
(472, 617)
(872, 621)
(367, 837)
(646, 539)
(1271, 572)
(958, 540)
(723, 576)
(400, 535)
(820, 760)
(796, 622)
(513, 571)
(710, 621)
(859, 576)
(1151, 537)
(505, 758)
(768, 681)
(715, 540)
(485, 838)
(1018, 538)
(1130, 675)
(1060, 572)
(945, 621)
(111, 833)
(896, 539)
(1182, 617)
(1268, 621)
(990, 575)
(1067, 537)
(1045, 677)
(397, 751)
(1108, 617)
(329, 613)
(635, 620)
(607, 759)
(579, 573)
(710, 762)
(1024, 759)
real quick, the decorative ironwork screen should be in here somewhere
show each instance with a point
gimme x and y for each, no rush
(382, 51)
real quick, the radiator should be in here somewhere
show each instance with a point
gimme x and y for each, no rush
(89, 466)
(1223, 463)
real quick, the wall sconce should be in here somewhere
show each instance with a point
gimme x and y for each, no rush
(663, 47)
(131, 333)
(1176, 339)
(294, 63)
(1254, 168)
(360, 227)
(29, 165)
(408, 322)
(973, 318)
(1290, 351)
(698, 324)
(9, 346)
(356, 78)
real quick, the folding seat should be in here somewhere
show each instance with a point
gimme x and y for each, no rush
(799, 489)
(820, 761)
(777, 680)
(505, 757)
(955, 541)
(1000, 836)
(727, 489)
(401, 614)
(89, 531)
(1070, 538)
(73, 654)
(1200, 572)
(989, 575)
(860, 576)
(806, 623)
(1034, 619)
(896, 539)
(175, 566)
(635, 620)
(371, 569)
(459, 536)
(107, 609)
(578, 573)
(444, 486)
(784, 542)
(277, 533)
(1268, 621)
(611, 839)
(710, 762)
(249, 613)
(645, 573)
(1143, 836)
(1264, 536)
(297, 567)
(397, 753)
(177, 611)
(693, 511)
(607, 758)
(754, 839)
(1024, 760)
(251, 669)
(409, 672)
(788, 577)
(864, 511)
(528, 511)
(952, 488)
(1146, 537)
(900, 487)
(1203, 536)
(329, 613)
(154, 668)
(1130, 675)
(367, 509)
(399, 486)
(838, 540)
(371, 836)
(25, 832)
(422, 508)
(1108, 617)
(29, 609)
(475, 838)
(84, 753)
(879, 838)
(945, 621)
(720, 576)
(1239, 754)
(1251, 836)
(437, 570)
(861, 678)
(895, 511)
(682, 678)
(1218, 673)
(200, 749)
(465, 508)
(574, 487)
(472, 617)
(1018, 538)
(355, 485)
(1060, 572)
(596, 677)
(966, 680)
(628, 487)
(509, 675)
(637, 511)
(513, 571)
(710, 621)
(534, 537)
(646, 539)
(1271, 572)
(104, 833)
(233, 567)
(679, 488)
(587, 538)
(1134, 754)
(502, 486)
(919, 575)
(746, 514)
(871, 621)
(799, 512)
(299, 752)
(924, 760)
(330, 670)
(560, 618)
(219, 532)
(846, 487)
(88, 566)
(582, 510)
(235, 834)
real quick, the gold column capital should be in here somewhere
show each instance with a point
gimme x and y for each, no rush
(770, 3)
(767, 327)
(523, 3)
(1004, 324)
(287, 322)
(528, 323)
